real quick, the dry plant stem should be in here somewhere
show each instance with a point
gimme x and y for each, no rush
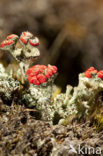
(30, 110)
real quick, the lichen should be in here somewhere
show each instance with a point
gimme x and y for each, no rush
(8, 85)
(39, 93)
(25, 55)
(39, 98)
(78, 101)
(37, 82)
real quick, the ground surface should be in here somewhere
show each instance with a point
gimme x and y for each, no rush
(23, 135)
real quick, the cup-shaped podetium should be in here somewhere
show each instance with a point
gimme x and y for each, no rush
(24, 38)
(9, 43)
(27, 39)
(34, 42)
(13, 37)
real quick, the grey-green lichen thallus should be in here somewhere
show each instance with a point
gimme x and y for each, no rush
(83, 101)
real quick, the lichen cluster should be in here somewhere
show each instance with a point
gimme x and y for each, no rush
(39, 94)
(37, 81)
(79, 102)
(25, 54)
(39, 98)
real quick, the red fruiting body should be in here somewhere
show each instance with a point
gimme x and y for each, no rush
(100, 74)
(90, 71)
(36, 81)
(39, 66)
(9, 42)
(36, 71)
(39, 74)
(34, 42)
(6, 43)
(23, 40)
(48, 72)
(33, 80)
(2, 45)
(12, 37)
(27, 37)
(53, 68)
(27, 34)
(88, 74)
(94, 71)
(41, 78)
(30, 79)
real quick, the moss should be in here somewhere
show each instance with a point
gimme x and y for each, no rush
(98, 122)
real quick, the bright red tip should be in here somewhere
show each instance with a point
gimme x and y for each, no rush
(90, 72)
(41, 78)
(34, 42)
(40, 73)
(23, 40)
(6, 43)
(100, 74)
(12, 37)
(27, 34)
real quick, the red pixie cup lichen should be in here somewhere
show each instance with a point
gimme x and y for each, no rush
(28, 39)
(88, 73)
(48, 72)
(100, 74)
(25, 36)
(23, 40)
(91, 69)
(40, 74)
(12, 37)
(33, 80)
(7, 44)
(41, 78)
(34, 42)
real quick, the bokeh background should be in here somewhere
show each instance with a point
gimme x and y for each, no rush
(70, 32)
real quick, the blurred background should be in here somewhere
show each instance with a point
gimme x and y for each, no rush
(70, 32)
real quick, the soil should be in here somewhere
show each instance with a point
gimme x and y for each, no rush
(22, 134)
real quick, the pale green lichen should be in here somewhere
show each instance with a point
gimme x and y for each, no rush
(86, 93)
(40, 98)
(62, 107)
(7, 84)
(24, 58)
(78, 100)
